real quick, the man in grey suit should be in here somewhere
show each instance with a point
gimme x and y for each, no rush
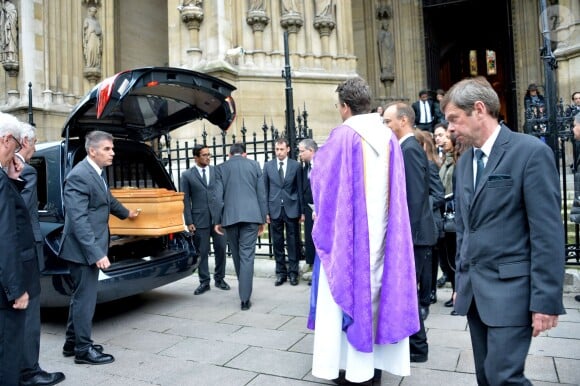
(510, 238)
(31, 373)
(85, 242)
(240, 187)
(283, 181)
(400, 117)
(198, 186)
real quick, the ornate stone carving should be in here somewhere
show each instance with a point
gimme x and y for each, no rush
(92, 40)
(192, 13)
(9, 36)
(292, 22)
(257, 19)
(386, 48)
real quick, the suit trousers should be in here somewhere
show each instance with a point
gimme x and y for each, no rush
(418, 341)
(425, 285)
(292, 236)
(82, 305)
(499, 352)
(242, 240)
(31, 347)
(201, 240)
(309, 250)
(12, 338)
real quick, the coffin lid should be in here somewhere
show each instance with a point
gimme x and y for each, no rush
(144, 103)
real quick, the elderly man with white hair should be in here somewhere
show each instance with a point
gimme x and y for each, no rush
(31, 373)
(16, 241)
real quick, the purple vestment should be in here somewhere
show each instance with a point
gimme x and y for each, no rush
(341, 237)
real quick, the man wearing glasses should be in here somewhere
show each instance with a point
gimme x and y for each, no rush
(16, 242)
(200, 206)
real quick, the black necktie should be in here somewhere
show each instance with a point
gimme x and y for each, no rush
(281, 171)
(204, 176)
(480, 166)
(307, 170)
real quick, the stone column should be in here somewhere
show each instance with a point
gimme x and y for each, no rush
(324, 24)
(258, 20)
(292, 21)
(192, 15)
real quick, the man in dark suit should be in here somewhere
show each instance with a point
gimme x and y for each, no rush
(306, 150)
(85, 242)
(508, 283)
(240, 189)
(31, 373)
(16, 243)
(424, 111)
(198, 186)
(283, 181)
(400, 117)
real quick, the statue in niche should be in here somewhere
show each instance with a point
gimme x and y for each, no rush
(386, 52)
(289, 6)
(8, 31)
(324, 8)
(193, 3)
(257, 5)
(92, 39)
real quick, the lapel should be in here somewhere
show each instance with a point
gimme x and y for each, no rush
(497, 152)
(98, 181)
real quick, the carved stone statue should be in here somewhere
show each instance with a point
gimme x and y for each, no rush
(289, 6)
(257, 5)
(195, 3)
(324, 8)
(386, 52)
(92, 39)
(8, 32)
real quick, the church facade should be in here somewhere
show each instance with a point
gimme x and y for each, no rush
(64, 47)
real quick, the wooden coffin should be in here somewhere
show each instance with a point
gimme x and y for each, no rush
(161, 212)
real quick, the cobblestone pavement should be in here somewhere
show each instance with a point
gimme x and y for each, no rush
(171, 337)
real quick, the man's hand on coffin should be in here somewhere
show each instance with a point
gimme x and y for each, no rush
(134, 212)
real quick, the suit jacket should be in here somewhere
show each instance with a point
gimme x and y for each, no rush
(287, 190)
(510, 238)
(87, 202)
(240, 186)
(199, 199)
(30, 228)
(16, 243)
(417, 108)
(306, 189)
(417, 182)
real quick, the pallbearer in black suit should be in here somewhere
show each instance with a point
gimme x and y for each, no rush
(510, 237)
(424, 110)
(198, 185)
(283, 181)
(31, 373)
(399, 117)
(85, 243)
(16, 242)
(306, 150)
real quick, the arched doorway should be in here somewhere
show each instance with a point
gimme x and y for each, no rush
(464, 38)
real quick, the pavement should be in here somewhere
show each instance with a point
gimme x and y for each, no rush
(171, 337)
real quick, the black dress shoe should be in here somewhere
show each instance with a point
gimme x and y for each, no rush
(201, 289)
(454, 313)
(280, 280)
(93, 357)
(246, 305)
(293, 280)
(68, 350)
(42, 378)
(449, 303)
(418, 358)
(441, 281)
(433, 297)
(221, 284)
(424, 311)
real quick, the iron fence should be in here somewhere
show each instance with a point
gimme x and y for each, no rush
(259, 146)
(560, 137)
